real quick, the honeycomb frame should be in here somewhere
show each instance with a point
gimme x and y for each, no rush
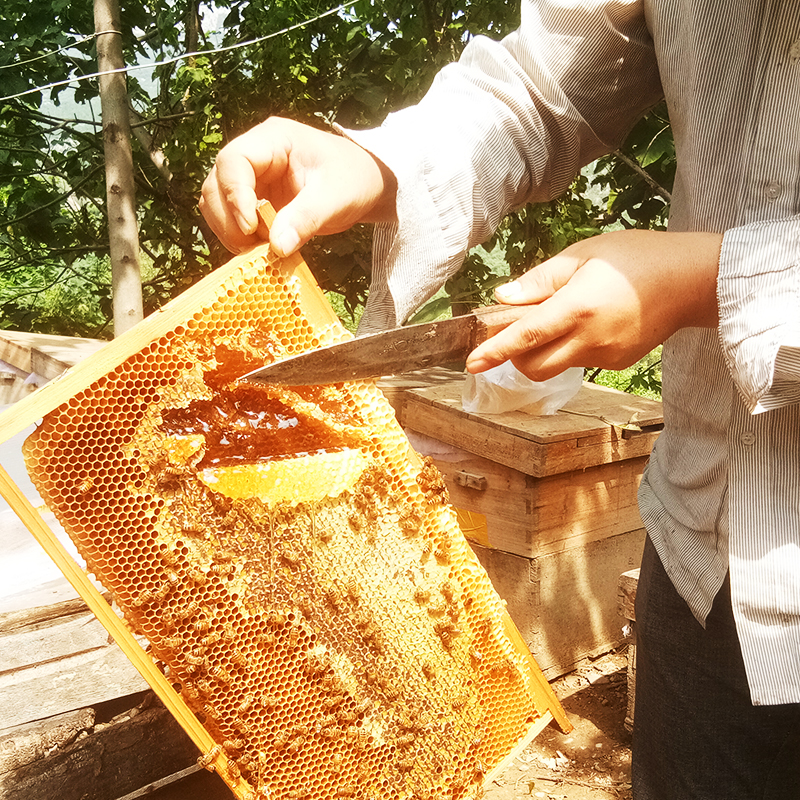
(316, 621)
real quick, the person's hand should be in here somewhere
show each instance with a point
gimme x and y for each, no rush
(319, 183)
(606, 302)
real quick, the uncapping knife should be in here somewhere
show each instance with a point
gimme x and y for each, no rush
(398, 350)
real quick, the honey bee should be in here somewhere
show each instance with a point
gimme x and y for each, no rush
(305, 607)
(331, 732)
(276, 618)
(405, 764)
(231, 746)
(448, 591)
(173, 579)
(336, 762)
(299, 731)
(238, 658)
(206, 760)
(221, 570)
(201, 625)
(475, 655)
(204, 687)
(189, 691)
(269, 702)
(266, 638)
(346, 791)
(297, 794)
(334, 597)
(234, 773)
(220, 674)
(169, 557)
(353, 589)
(173, 643)
(317, 664)
(85, 485)
(280, 740)
(143, 598)
(160, 594)
(346, 717)
(363, 706)
(194, 659)
(246, 704)
(460, 701)
(364, 739)
(291, 557)
(428, 670)
(405, 740)
(442, 554)
(189, 610)
(293, 637)
(197, 577)
(169, 619)
(422, 596)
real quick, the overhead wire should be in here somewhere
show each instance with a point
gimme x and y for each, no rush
(56, 52)
(181, 57)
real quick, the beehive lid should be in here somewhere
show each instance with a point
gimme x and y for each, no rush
(317, 623)
(597, 426)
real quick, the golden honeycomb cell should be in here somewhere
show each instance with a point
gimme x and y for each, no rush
(294, 565)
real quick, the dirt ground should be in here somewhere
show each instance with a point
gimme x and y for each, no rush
(593, 761)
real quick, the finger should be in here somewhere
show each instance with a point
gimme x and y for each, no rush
(541, 282)
(551, 359)
(221, 218)
(544, 323)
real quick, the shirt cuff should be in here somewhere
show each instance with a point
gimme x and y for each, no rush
(758, 291)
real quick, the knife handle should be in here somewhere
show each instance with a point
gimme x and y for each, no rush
(492, 320)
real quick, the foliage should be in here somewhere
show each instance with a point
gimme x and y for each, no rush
(351, 67)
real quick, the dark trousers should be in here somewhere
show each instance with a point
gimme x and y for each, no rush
(696, 734)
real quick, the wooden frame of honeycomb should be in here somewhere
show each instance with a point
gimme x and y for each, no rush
(316, 621)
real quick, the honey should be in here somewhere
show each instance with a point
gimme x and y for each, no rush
(295, 567)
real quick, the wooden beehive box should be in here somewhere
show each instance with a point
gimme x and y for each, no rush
(548, 503)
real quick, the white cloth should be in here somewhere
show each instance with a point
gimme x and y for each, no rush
(514, 121)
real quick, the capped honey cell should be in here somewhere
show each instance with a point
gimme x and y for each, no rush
(295, 566)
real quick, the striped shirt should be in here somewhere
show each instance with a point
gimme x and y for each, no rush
(513, 122)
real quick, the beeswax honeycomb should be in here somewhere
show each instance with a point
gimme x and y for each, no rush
(295, 567)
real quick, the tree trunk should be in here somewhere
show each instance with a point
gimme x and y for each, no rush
(123, 234)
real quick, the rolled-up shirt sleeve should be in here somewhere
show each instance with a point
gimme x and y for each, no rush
(758, 292)
(511, 122)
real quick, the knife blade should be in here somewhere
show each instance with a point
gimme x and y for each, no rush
(391, 352)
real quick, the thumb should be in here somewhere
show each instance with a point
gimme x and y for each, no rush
(296, 223)
(539, 283)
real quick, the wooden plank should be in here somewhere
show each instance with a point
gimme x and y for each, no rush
(626, 594)
(46, 355)
(58, 665)
(27, 743)
(15, 350)
(505, 445)
(28, 617)
(595, 427)
(113, 760)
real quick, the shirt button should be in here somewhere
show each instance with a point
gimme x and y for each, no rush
(747, 438)
(773, 190)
